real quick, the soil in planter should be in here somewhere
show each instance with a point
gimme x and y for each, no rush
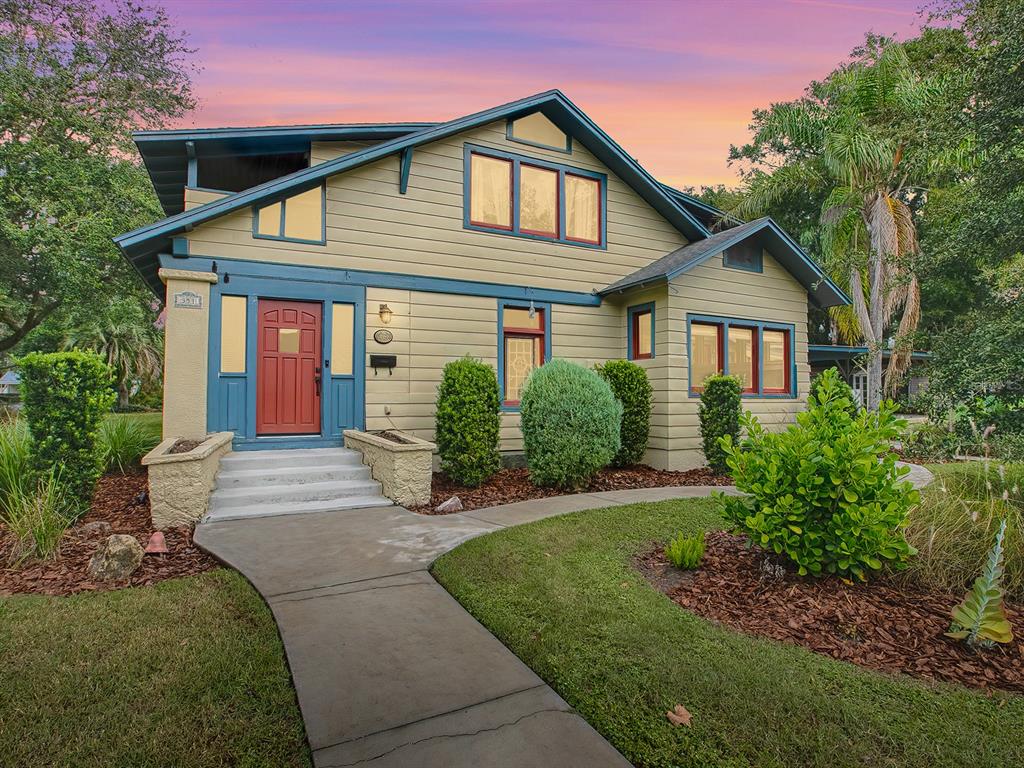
(510, 485)
(394, 437)
(184, 446)
(877, 625)
(122, 503)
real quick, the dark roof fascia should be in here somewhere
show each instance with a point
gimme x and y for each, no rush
(324, 132)
(134, 241)
(840, 351)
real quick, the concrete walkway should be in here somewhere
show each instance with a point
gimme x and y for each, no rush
(389, 669)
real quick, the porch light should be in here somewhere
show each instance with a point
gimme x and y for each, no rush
(385, 314)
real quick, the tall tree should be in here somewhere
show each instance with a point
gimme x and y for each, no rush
(865, 141)
(76, 77)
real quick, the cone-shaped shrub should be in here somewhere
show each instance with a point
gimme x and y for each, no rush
(719, 416)
(570, 422)
(468, 423)
(632, 388)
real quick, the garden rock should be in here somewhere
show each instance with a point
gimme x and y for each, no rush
(454, 504)
(117, 558)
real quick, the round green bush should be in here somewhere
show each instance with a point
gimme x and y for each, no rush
(468, 422)
(65, 396)
(632, 388)
(719, 416)
(570, 422)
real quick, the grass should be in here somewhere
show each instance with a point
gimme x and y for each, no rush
(188, 673)
(125, 438)
(563, 596)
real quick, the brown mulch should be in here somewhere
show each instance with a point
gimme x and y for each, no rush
(184, 446)
(876, 625)
(121, 501)
(510, 485)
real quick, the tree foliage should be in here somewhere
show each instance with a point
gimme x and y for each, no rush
(75, 79)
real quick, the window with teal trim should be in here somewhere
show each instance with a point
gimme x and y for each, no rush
(759, 354)
(640, 341)
(523, 344)
(527, 197)
(300, 218)
(745, 256)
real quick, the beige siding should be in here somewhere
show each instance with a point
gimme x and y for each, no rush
(371, 226)
(195, 197)
(322, 151)
(711, 289)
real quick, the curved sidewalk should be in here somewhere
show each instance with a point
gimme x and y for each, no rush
(389, 669)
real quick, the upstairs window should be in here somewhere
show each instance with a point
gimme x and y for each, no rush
(537, 130)
(532, 198)
(300, 218)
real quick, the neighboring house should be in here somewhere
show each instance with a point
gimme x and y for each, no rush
(852, 364)
(318, 278)
(10, 383)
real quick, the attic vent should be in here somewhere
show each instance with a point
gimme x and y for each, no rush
(537, 130)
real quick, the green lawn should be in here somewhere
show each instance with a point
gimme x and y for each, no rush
(187, 673)
(562, 595)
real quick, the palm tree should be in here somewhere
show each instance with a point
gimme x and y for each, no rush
(865, 140)
(127, 339)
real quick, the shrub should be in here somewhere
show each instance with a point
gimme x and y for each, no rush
(930, 442)
(468, 422)
(957, 520)
(570, 422)
(719, 417)
(981, 619)
(685, 552)
(826, 493)
(65, 396)
(632, 388)
(38, 515)
(123, 441)
(845, 389)
(1008, 446)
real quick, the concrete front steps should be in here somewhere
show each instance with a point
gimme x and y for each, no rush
(286, 482)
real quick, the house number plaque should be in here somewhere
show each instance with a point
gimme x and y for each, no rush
(188, 300)
(383, 336)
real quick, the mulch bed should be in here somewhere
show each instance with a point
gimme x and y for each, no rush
(122, 503)
(876, 625)
(510, 485)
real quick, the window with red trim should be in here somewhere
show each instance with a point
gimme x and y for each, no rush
(743, 356)
(641, 335)
(705, 353)
(758, 354)
(490, 203)
(776, 365)
(523, 348)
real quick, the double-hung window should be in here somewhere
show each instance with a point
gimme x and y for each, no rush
(759, 354)
(533, 198)
(523, 345)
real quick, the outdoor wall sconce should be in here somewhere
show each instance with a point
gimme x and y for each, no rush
(385, 314)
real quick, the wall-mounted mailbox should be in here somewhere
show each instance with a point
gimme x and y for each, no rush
(383, 361)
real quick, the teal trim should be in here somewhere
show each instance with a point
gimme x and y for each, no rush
(567, 149)
(406, 166)
(284, 213)
(634, 310)
(192, 173)
(760, 325)
(730, 263)
(820, 352)
(179, 246)
(231, 398)
(329, 275)
(517, 161)
(508, 407)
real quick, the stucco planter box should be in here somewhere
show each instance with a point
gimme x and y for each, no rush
(180, 483)
(404, 469)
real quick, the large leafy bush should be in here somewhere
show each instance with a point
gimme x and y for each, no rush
(719, 417)
(66, 395)
(468, 421)
(843, 388)
(632, 388)
(570, 422)
(826, 492)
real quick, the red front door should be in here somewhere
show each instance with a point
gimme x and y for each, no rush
(288, 368)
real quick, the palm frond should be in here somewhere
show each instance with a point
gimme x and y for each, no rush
(765, 190)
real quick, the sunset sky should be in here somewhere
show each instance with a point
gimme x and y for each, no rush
(673, 82)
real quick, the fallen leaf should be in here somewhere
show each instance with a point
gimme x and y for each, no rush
(679, 716)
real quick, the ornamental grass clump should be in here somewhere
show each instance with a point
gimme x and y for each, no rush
(632, 388)
(685, 552)
(719, 417)
(570, 422)
(468, 421)
(124, 441)
(825, 493)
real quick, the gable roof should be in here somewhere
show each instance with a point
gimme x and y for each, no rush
(166, 153)
(763, 232)
(142, 245)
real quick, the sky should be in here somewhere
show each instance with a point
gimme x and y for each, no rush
(674, 83)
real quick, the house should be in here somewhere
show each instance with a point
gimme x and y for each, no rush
(10, 384)
(851, 362)
(317, 278)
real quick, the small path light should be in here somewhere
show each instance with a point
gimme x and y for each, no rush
(157, 545)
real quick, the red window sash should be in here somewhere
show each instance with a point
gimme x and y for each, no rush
(755, 347)
(787, 365)
(637, 354)
(558, 195)
(597, 202)
(523, 333)
(720, 362)
(511, 196)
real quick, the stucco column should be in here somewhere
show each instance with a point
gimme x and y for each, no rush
(186, 347)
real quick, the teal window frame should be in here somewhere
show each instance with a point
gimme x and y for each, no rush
(723, 344)
(507, 405)
(280, 228)
(631, 315)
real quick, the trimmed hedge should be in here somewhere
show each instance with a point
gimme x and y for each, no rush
(632, 388)
(570, 422)
(468, 422)
(719, 416)
(65, 397)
